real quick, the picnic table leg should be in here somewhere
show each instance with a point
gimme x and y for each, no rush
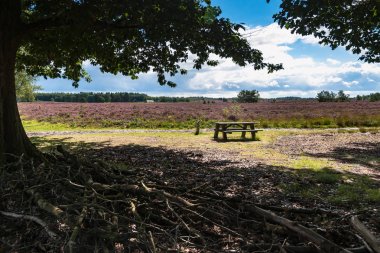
(253, 134)
(216, 133)
(224, 128)
(243, 133)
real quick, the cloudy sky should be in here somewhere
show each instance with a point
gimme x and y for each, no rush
(308, 66)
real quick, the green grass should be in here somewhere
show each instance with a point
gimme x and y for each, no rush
(36, 126)
(334, 187)
(42, 126)
(304, 162)
(357, 189)
(323, 122)
(327, 178)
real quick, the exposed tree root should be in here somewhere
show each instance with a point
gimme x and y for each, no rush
(369, 238)
(90, 206)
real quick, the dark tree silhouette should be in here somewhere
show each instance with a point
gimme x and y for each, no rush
(353, 24)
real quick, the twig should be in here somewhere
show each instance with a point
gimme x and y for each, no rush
(187, 227)
(215, 223)
(151, 239)
(32, 218)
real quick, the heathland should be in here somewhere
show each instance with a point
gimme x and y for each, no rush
(270, 114)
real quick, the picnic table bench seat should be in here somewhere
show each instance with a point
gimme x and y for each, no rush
(241, 130)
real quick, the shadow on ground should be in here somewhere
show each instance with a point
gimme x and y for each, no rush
(224, 174)
(190, 172)
(49, 144)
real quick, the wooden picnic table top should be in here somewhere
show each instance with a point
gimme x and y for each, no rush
(231, 123)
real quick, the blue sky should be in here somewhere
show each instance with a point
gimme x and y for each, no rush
(309, 67)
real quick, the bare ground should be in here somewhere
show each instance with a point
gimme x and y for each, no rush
(357, 152)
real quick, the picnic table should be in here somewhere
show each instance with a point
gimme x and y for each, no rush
(236, 127)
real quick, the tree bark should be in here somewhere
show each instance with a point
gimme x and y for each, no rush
(13, 139)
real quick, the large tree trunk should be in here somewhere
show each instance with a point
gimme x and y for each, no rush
(13, 139)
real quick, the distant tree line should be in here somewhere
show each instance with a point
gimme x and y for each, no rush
(373, 97)
(245, 96)
(329, 96)
(108, 97)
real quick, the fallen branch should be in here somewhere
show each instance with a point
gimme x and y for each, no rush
(266, 247)
(298, 210)
(43, 204)
(32, 218)
(76, 229)
(324, 244)
(368, 237)
(167, 195)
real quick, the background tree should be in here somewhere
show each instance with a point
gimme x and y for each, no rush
(329, 96)
(248, 96)
(352, 24)
(25, 87)
(373, 97)
(342, 97)
(53, 38)
(326, 96)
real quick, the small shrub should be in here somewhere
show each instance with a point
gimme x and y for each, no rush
(232, 112)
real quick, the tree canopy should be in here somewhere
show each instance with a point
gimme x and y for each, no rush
(128, 37)
(353, 24)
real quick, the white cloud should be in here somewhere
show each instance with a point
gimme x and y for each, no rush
(349, 84)
(302, 72)
(370, 80)
(333, 61)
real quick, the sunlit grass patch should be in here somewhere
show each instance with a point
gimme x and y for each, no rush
(35, 126)
(315, 164)
(271, 156)
(44, 126)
